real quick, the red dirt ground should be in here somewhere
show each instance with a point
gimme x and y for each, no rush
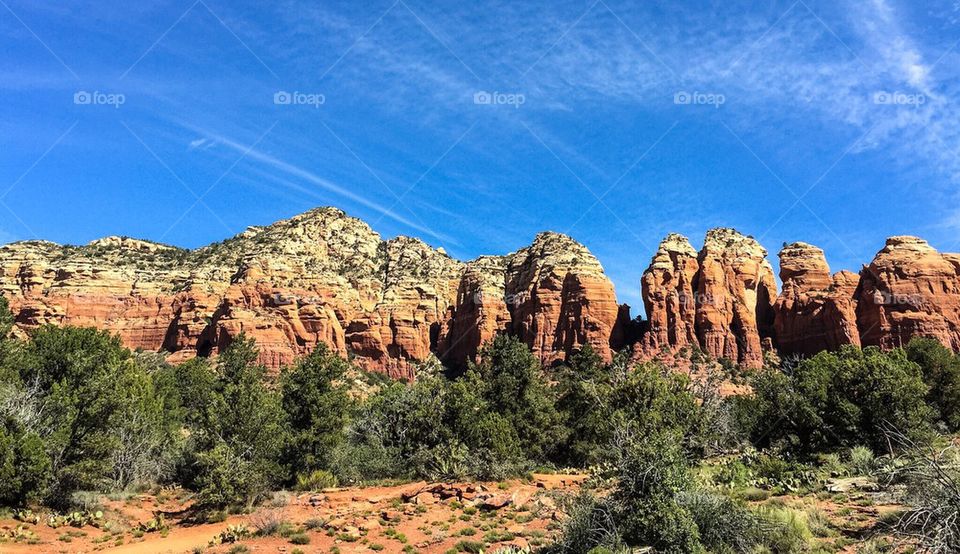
(354, 520)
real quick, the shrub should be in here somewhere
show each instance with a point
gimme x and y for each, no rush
(316, 480)
(102, 419)
(241, 433)
(941, 373)
(837, 399)
(473, 547)
(788, 531)
(584, 402)
(492, 422)
(513, 386)
(590, 524)
(300, 538)
(391, 427)
(268, 522)
(652, 474)
(818, 522)
(862, 460)
(24, 465)
(316, 404)
(723, 524)
(933, 497)
(654, 400)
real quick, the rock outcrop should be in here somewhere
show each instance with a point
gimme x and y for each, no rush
(815, 311)
(720, 300)
(317, 277)
(480, 312)
(668, 288)
(909, 290)
(391, 304)
(559, 298)
(553, 295)
(736, 290)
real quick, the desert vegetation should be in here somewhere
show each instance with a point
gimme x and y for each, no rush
(670, 463)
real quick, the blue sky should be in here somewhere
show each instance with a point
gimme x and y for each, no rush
(835, 123)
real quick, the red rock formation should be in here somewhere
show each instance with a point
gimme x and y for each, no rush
(479, 314)
(668, 290)
(559, 298)
(552, 294)
(318, 277)
(909, 290)
(391, 305)
(735, 294)
(588, 315)
(814, 311)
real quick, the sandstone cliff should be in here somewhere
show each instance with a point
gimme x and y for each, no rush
(909, 290)
(552, 294)
(325, 277)
(814, 311)
(720, 300)
(668, 288)
(317, 277)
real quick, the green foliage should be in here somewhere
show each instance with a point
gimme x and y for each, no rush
(763, 471)
(316, 480)
(788, 532)
(149, 442)
(653, 474)
(862, 461)
(187, 389)
(80, 413)
(241, 433)
(24, 465)
(231, 534)
(6, 318)
(316, 405)
(300, 538)
(155, 524)
(584, 394)
(82, 376)
(594, 399)
(491, 422)
(841, 399)
(723, 524)
(392, 426)
(590, 526)
(941, 373)
(654, 400)
(510, 381)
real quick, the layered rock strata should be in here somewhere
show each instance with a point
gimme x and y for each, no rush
(909, 290)
(318, 277)
(391, 304)
(815, 311)
(719, 300)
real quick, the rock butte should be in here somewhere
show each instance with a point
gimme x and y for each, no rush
(318, 277)
(325, 277)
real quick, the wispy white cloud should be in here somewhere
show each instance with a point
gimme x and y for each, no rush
(310, 177)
